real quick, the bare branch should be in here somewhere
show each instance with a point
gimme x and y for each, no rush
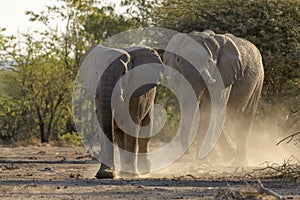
(289, 138)
(262, 189)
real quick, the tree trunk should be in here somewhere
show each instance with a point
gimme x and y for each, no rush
(44, 135)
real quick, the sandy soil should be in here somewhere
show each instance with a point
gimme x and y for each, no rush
(49, 172)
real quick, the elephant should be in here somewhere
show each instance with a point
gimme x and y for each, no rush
(200, 57)
(113, 64)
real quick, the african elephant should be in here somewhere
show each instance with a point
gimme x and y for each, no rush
(239, 65)
(113, 64)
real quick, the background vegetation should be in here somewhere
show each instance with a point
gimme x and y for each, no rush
(35, 98)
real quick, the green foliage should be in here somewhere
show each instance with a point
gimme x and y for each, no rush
(46, 63)
(272, 25)
(70, 139)
(6, 88)
(103, 23)
(13, 126)
(141, 10)
(39, 104)
(167, 100)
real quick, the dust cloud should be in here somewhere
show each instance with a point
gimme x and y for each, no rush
(262, 145)
(261, 150)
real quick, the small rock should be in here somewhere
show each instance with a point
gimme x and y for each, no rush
(77, 176)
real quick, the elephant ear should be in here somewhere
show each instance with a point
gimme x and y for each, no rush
(229, 60)
(142, 55)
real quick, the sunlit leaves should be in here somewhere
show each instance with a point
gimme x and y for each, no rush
(273, 26)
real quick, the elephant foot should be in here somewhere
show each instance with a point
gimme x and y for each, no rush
(105, 172)
(144, 165)
(128, 175)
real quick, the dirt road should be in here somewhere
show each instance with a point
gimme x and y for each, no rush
(49, 172)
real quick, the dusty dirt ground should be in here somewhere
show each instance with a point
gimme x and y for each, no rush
(50, 172)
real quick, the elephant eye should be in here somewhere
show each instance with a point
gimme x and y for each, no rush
(177, 59)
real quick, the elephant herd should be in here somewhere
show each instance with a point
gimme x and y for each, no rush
(204, 59)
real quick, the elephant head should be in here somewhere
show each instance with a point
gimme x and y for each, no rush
(150, 70)
(145, 71)
(102, 68)
(97, 62)
(197, 55)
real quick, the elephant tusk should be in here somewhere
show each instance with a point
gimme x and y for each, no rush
(211, 81)
(161, 76)
(121, 98)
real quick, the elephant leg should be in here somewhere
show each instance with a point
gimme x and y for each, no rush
(143, 162)
(105, 172)
(128, 156)
(223, 150)
(227, 150)
(188, 130)
(241, 135)
(244, 122)
(127, 161)
(119, 139)
(205, 115)
(107, 151)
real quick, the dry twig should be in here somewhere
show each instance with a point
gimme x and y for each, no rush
(262, 189)
(290, 138)
(185, 176)
(289, 169)
(246, 192)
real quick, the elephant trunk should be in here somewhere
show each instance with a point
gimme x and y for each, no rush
(103, 104)
(105, 119)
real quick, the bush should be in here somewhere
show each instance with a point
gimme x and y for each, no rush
(71, 139)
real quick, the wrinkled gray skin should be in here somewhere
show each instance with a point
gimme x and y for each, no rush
(140, 105)
(240, 65)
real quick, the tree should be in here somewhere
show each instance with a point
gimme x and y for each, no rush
(103, 23)
(141, 10)
(46, 63)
